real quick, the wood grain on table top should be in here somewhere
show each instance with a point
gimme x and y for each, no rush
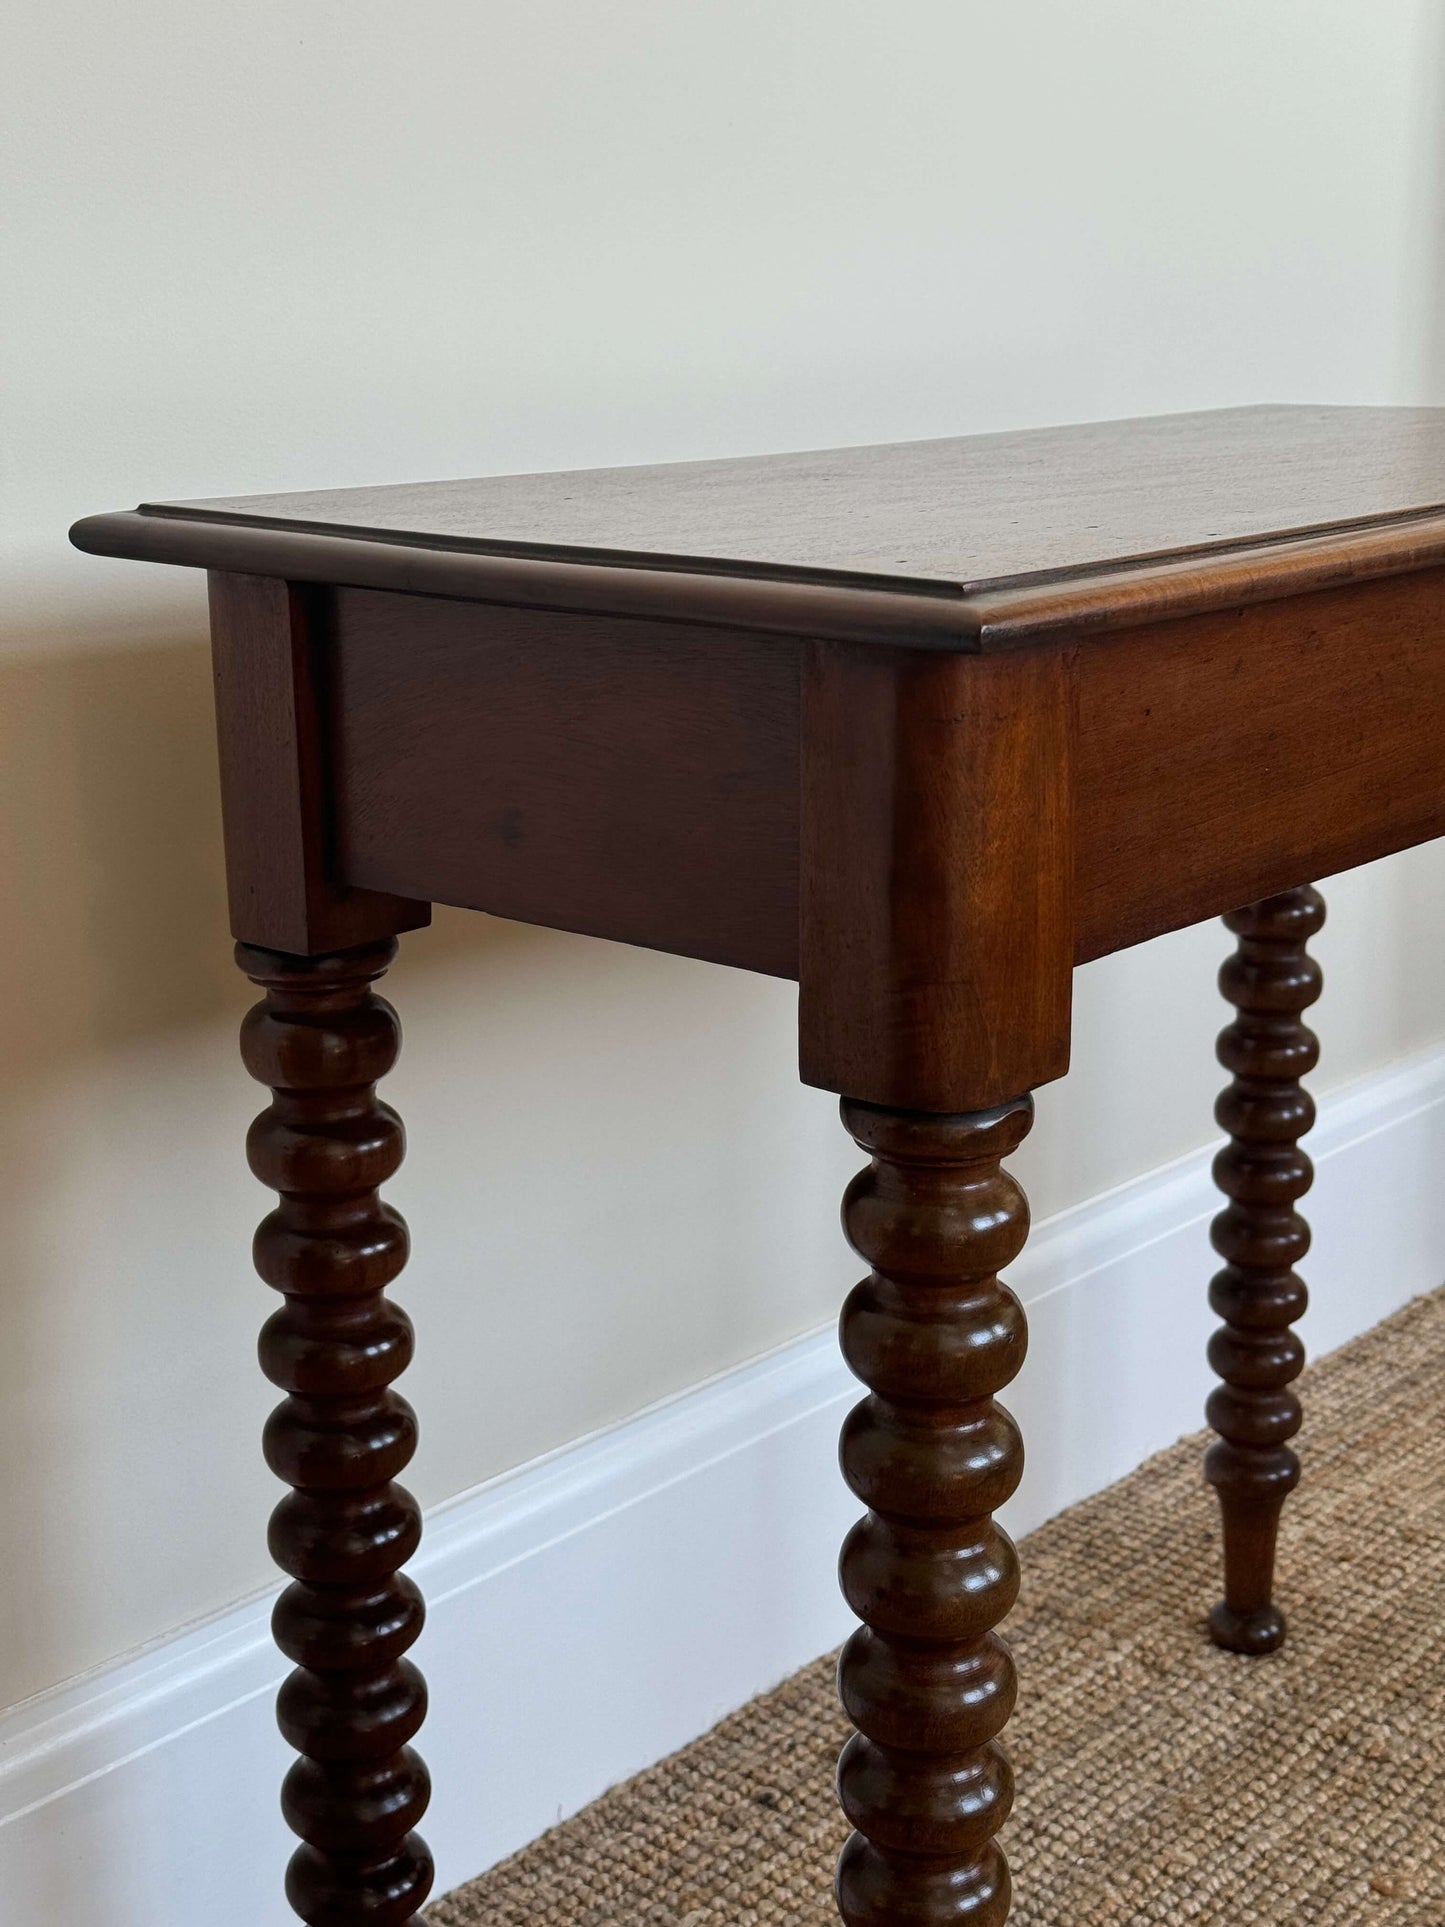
(1007, 525)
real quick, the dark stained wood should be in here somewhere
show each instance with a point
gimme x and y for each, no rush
(658, 768)
(922, 726)
(339, 1438)
(627, 780)
(978, 542)
(784, 606)
(1080, 608)
(1227, 757)
(1270, 979)
(966, 511)
(928, 1683)
(937, 872)
(276, 797)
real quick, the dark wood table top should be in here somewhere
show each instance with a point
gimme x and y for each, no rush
(841, 717)
(967, 542)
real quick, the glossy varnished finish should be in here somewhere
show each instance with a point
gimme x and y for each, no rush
(926, 1680)
(1270, 979)
(340, 1437)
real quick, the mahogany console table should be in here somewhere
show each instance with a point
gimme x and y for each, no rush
(921, 727)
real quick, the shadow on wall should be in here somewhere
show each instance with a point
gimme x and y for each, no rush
(122, 1108)
(118, 998)
(110, 882)
(112, 889)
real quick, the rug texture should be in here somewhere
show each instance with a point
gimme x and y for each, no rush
(1159, 1780)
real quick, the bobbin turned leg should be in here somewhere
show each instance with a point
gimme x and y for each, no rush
(926, 1681)
(1270, 979)
(320, 1039)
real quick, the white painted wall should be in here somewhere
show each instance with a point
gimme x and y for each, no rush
(282, 246)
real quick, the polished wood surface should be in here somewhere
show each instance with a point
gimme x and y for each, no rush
(922, 727)
(926, 840)
(936, 918)
(273, 703)
(969, 511)
(625, 780)
(1265, 1109)
(1260, 749)
(928, 1683)
(320, 1039)
(973, 542)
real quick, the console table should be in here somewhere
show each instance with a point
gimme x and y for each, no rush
(921, 727)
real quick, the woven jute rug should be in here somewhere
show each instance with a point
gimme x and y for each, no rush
(1159, 1780)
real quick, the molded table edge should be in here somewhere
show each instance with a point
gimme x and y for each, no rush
(919, 615)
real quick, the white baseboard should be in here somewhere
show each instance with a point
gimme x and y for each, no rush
(596, 1610)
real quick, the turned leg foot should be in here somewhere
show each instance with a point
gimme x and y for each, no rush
(340, 1436)
(1270, 979)
(926, 1681)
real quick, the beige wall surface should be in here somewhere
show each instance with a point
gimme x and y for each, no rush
(286, 246)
